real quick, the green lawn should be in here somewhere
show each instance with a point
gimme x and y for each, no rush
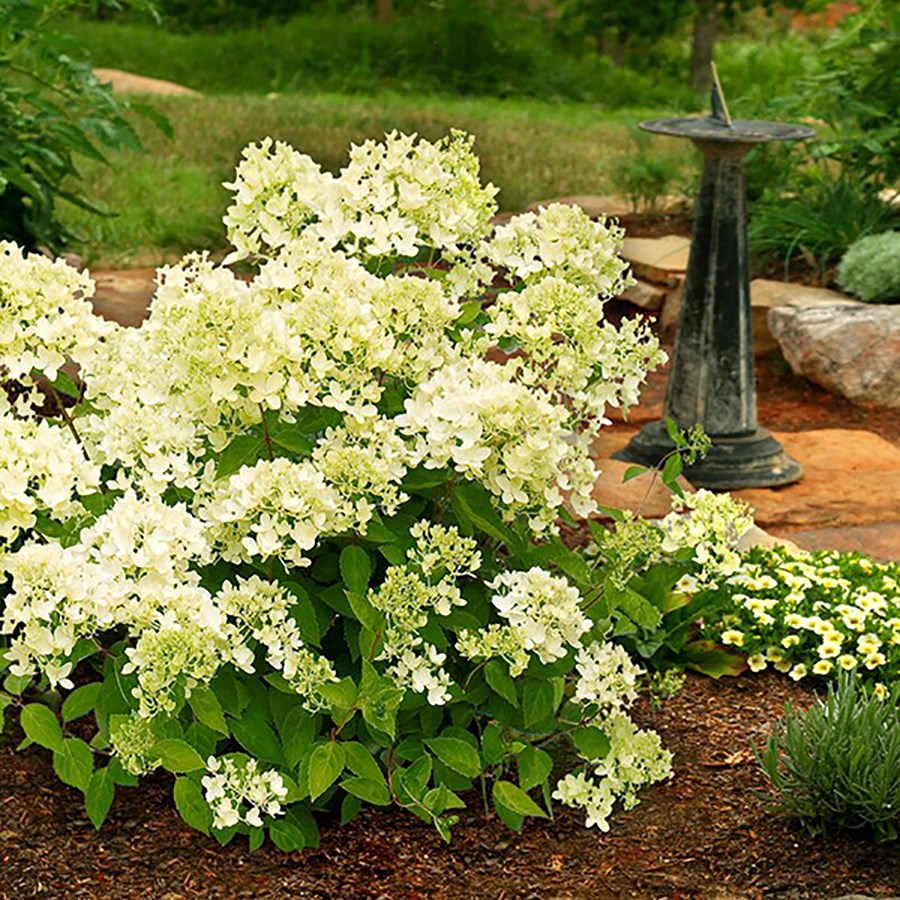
(170, 200)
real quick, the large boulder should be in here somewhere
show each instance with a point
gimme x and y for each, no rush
(852, 351)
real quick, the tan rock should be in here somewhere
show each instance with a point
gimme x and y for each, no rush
(661, 260)
(594, 205)
(849, 478)
(766, 295)
(645, 295)
(124, 296)
(129, 83)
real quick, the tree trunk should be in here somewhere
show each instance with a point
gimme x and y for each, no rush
(384, 10)
(702, 44)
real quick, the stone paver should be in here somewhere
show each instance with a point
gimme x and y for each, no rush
(658, 259)
(124, 297)
(129, 83)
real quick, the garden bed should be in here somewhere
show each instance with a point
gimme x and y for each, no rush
(702, 834)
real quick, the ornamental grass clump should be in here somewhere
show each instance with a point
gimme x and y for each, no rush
(294, 540)
(836, 766)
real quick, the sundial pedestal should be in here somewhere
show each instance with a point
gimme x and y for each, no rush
(713, 382)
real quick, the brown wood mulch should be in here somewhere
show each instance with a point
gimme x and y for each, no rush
(702, 834)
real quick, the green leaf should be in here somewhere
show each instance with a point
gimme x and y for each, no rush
(367, 615)
(81, 701)
(634, 472)
(286, 834)
(491, 745)
(297, 729)
(514, 798)
(473, 503)
(456, 755)
(244, 450)
(676, 435)
(671, 470)
(497, 674)
(633, 605)
(41, 726)
(535, 766)
(256, 838)
(340, 696)
(350, 808)
(206, 707)
(712, 660)
(538, 703)
(325, 765)
(291, 437)
(258, 738)
(356, 569)
(191, 805)
(591, 742)
(73, 762)
(368, 789)
(98, 797)
(415, 778)
(178, 756)
(360, 761)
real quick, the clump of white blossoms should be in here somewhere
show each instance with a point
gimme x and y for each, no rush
(237, 790)
(711, 524)
(45, 316)
(42, 470)
(607, 678)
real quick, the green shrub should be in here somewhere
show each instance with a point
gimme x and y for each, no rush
(870, 269)
(837, 765)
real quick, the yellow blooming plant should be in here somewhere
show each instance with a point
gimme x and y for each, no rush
(295, 538)
(812, 615)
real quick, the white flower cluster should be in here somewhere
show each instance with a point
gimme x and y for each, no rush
(544, 619)
(568, 350)
(237, 790)
(562, 241)
(46, 316)
(636, 758)
(711, 524)
(392, 199)
(427, 583)
(41, 470)
(607, 677)
(494, 430)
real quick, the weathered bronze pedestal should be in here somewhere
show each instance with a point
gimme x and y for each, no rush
(712, 382)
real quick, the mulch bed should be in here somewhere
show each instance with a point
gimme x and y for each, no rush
(702, 834)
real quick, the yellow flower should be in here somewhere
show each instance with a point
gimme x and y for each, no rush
(774, 654)
(799, 671)
(874, 660)
(880, 691)
(736, 638)
(868, 643)
(829, 647)
(794, 620)
(756, 662)
(847, 662)
(823, 667)
(790, 641)
(783, 665)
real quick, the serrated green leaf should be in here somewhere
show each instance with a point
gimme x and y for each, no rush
(473, 503)
(368, 789)
(711, 659)
(456, 755)
(178, 756)
(535, 766)
(639, 610)
(634, 472)
(496, 672)
(676, 435)
(491, 745)
(591, 742)
(253, 732)
(256, 838)
(297, 730)
(325, 765)
(206, 707)
(191, 805)
(286, 834)
(99, 796)
(360, 761)
(350, 807)
(538, 701)
(81, 701)
(41, 726)
(356, 569)
(367, 615)
(73, 762)
(244, 450)
(515, 799)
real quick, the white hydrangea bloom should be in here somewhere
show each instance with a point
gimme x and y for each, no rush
(472, 415)
(711, 524)
(568, 350)
(636, 758)
(543, 609)
(237, 790)
(42, 469)
(277, 508)
(563, 241)
(46, 315)
(607, 677)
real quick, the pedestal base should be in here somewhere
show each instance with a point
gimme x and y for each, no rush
(752, 460)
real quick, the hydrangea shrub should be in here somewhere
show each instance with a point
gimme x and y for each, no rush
(294, 539)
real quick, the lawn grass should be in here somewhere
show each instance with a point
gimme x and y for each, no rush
(170, 200)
